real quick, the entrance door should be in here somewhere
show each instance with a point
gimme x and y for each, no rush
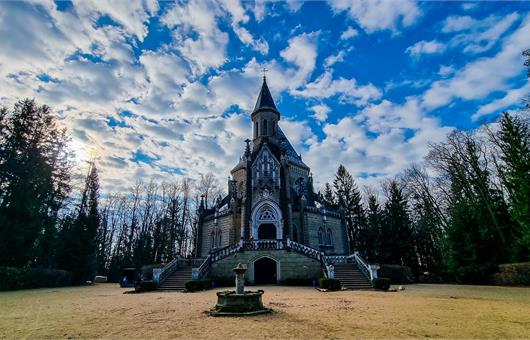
(267, 231)
(265, 271)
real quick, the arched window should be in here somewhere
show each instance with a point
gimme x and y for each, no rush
(273, 128)
(329, 237)
(256, 129)
(320, 236)
(264, 127)
(212, 240)
(219, 239)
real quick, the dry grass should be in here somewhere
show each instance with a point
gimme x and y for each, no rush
(102, 311)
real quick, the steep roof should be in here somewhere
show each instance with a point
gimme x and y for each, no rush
(288, 148)
(265, 100)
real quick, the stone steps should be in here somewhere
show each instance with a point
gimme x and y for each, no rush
(351, 277)
(177, 280)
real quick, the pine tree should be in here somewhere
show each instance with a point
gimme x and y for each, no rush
(372, 237)
(349, 195)
(329, 196)
(513, 141)
(397, 244)
(34, 182)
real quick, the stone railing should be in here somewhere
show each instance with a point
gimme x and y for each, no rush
(339, 259)
(264, 245)
(216, 255)
(196, 262)
(160, 274)
(221, 253)
(370, 271)
(305, 250)
(197, 273)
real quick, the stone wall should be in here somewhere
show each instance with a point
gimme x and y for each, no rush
(292, 265)
(314, 222)
(229, 226)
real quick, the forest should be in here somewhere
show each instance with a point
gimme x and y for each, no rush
(455, 216)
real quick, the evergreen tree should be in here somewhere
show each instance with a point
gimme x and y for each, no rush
(329, 196)
(349, 196)
(34, 182)
(513, 141)
(397, 244)
(78, 253)
(372, 233)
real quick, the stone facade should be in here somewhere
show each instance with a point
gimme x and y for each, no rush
(271, 196)
(291, 265)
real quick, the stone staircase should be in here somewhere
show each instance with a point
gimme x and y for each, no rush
(177, 280)
(351, 277)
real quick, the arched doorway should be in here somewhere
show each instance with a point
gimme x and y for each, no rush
(264, 215)
(267, 231)
(265, 270)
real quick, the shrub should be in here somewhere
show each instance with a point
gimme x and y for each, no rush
(513, 274)
(196, 285)
(381, 283)
(145, 286)
(12, 278)
(297, 282)
(396, 273)
(329, 284)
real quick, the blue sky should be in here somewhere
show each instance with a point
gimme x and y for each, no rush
(164, 90)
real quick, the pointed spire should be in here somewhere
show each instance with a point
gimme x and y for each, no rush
(265, 100)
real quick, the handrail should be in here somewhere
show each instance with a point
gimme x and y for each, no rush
(220, 254)
(365, 268)
(264, 245)
(168, 269)
(197, 273)
(305, 250)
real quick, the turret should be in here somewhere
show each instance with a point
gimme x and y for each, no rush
(265, 116)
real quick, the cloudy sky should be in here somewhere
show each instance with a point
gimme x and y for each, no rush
(158, 90)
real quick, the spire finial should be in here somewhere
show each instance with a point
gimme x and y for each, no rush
(264, 71)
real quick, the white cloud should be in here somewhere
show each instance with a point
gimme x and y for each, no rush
(483, 76)
(425, 47)
(349, 33)
(302, 51)
(333, 59)
(208, 48)
(458, 23)
(347, 90)
(321, 112)
(294, 5)
(467, 6)
(477, 36)
(259, 10)
(375, 15)
(239, 17)
(446, 70)
(132, 15)
(511, 97)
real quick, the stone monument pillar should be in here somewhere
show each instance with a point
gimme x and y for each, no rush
(240, 270)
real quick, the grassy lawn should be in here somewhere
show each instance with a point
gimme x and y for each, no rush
(441, 311)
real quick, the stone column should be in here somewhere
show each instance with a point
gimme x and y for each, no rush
(240, 278)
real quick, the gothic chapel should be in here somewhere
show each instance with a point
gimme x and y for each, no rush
(271, 219)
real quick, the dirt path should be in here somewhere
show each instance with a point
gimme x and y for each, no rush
(102, 311)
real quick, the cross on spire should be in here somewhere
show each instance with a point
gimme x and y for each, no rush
(264, 71)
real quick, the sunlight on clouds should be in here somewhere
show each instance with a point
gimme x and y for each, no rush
(157, 90)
